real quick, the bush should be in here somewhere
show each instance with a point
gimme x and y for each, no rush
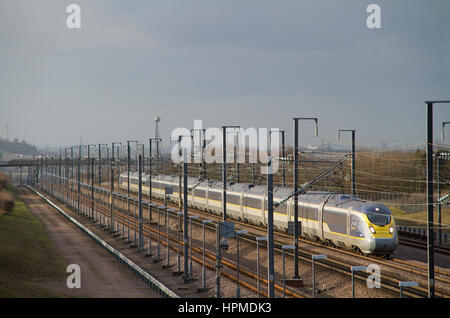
(6, 201)
(3, 181)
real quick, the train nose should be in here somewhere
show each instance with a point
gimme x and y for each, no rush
(385, 245)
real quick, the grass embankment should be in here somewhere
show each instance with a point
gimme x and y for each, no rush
(28, 258)
(419, 219)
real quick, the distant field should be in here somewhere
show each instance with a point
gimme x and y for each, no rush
(419, 220)
(27, 255)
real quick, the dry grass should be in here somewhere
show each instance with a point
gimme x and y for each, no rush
(28, 256)
(3, 181)
(6, 202)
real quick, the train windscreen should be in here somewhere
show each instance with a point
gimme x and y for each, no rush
(379, 219)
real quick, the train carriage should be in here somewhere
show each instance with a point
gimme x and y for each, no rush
(339, 219)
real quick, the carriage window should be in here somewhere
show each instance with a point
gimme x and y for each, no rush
(252, 202)
(282, 208)
(213, 195)
(336, 221)
(234, 199)
(379, 219)
(199, 193)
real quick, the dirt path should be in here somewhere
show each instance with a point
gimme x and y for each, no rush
(101, 275)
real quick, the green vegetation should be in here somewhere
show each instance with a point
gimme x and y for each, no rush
(419, 219)
(28, 258)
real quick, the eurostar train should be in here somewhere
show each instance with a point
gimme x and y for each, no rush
(341, 220)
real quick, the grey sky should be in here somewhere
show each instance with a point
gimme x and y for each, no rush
(252, 63)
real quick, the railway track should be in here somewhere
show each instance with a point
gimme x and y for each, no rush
(388, 282)
(122, 219)
(410, 267)
(394, 263)
(423, 245)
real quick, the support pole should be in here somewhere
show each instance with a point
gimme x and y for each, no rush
(92, 188)
(180, 176)
(99, 165)
(141, 238)
(79, 179)
(438, 158)
(111, 202)
(60, 167)
(296, 198)
(270, 252)
(150, 194)
(353, 164)
(283, 163)
(224, 173)
(430, 236)
(203, 155)
(218, 261)
(185, 216)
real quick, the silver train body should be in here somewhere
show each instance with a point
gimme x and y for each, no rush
(338, 219)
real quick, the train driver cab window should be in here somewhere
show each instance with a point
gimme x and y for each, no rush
(356, 226)
(379, 219)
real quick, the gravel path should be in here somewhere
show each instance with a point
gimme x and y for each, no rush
(101, 275)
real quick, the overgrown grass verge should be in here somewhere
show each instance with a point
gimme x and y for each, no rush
(28, 258)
